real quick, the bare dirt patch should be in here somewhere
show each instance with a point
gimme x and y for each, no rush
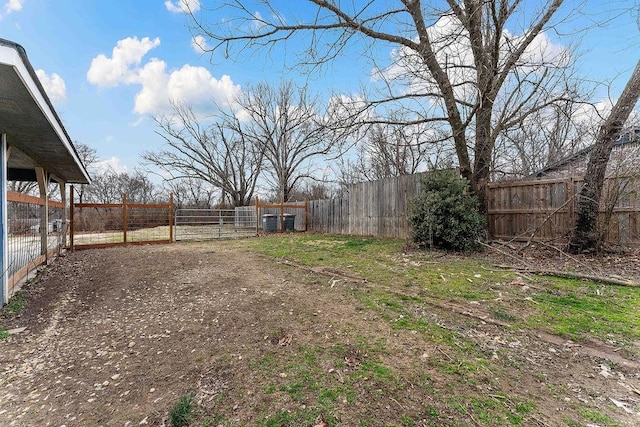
(116, 336)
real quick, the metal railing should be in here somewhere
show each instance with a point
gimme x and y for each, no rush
(200, 224)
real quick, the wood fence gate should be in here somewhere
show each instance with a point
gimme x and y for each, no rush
(99, 225)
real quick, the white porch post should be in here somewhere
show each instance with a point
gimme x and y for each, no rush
(4, 240)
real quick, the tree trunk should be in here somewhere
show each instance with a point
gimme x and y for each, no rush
(483, 153)
(585, 236)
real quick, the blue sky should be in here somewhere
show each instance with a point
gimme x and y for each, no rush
(105, 97)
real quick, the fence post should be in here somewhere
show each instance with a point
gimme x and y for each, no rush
(65, 212)
(572, 203)
(306, 214)
(71, 222)
(43, 184)
(282, 214)
(125, 219)
(257, 216)
(4, 223)
(171, 217)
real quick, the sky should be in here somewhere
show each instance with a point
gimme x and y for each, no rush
(108, 66)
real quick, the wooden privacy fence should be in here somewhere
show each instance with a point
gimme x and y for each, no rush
(99, 225)
(516, 210)
(546, 209)
(377, 208)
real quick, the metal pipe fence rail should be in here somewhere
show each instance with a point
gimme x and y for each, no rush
(202, 224)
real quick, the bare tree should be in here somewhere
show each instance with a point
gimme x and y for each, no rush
(219, 153)
(287, 126)
(390, 150)
(88, 157)
(458, 66)
(25, 187)
(108, 187)
(190, 193)
(542, 139)
(585, 236)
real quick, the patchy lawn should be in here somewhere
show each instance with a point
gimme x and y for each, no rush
(314, 330)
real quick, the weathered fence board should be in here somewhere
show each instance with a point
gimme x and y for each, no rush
(377, 208)
(516, 210)
(546, 209)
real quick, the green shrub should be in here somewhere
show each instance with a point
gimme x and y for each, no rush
(445, 215)
(182, 411)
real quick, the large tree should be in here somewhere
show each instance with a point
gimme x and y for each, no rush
(285, 123)
(190, 193)
(477, 66)
(89, 157)
(217, 152)
(584, 236)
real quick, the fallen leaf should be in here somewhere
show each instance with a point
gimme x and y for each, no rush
(285, 341)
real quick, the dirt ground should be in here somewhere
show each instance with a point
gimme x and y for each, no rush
(116, 336)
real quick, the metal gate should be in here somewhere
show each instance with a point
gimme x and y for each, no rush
(200, 224)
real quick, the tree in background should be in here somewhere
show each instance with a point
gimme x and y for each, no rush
(190, 193)
(460, 66)
(217, 151)
(390, 150)
(286, 125)
(542, 139)
(89, 157)
(108, 186)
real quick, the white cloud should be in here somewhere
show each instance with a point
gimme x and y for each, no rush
(199, 44)
(108, 165)
(123, 64)
(542, 50)
(182, 6)
(194, 86)
(54, 86)
(13, 6)
(191, 85)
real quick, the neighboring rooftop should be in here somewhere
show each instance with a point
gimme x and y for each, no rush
(34, 131)
(631, 136)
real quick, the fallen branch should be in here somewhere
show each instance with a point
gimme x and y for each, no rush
(557, 273)
(503, 253)
(577, 261)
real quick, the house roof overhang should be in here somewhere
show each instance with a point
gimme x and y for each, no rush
(35, 133)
